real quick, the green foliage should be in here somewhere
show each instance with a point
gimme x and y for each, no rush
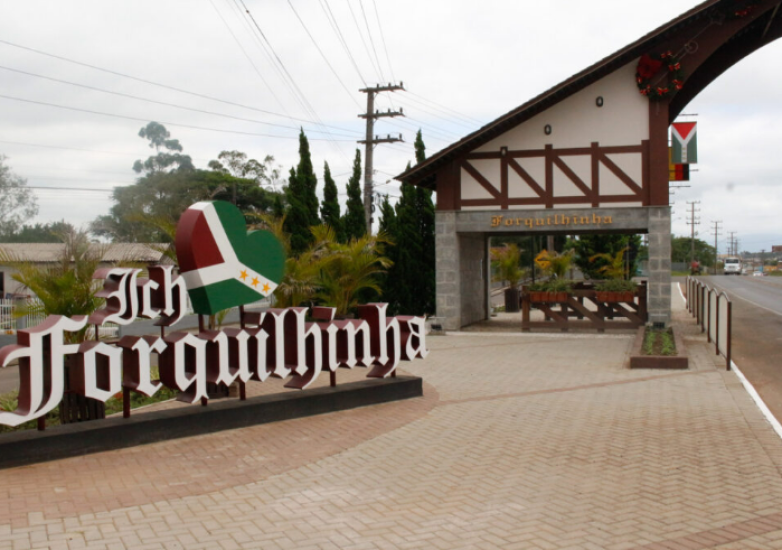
(616, 285)
(236, 163)
(558, 285)
(17, 202)
(420, 148)
(349, 269)
(302, 212)
(38, 233)
(681, 250)
(329, 208)
(614, 264)
(307, 179)
(658, 342)
(159, 199)
(355, 223)
(387, 226)
(168, 155)
(554, 264)
(505, 261)
(588, 246)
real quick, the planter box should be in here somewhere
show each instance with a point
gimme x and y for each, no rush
(640, 361)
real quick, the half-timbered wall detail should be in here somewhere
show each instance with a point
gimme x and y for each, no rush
(593, 154)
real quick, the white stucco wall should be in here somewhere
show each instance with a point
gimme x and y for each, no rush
(576, 122)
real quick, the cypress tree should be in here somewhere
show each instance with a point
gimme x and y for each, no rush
(354, 223)
(387, 226)
(425, 216)
(309, 182)
(406, 272)
(329, 208)
(297, 220)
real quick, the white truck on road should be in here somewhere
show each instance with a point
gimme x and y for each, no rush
(731, 266)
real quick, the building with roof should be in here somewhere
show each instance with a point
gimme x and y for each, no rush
(590, 155)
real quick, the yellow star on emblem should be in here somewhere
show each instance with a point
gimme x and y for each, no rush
(255, 281)
(243, 275)
(266, 288)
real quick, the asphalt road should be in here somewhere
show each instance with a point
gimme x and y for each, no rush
(757, 332)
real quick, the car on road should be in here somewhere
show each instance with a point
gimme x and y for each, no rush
(758, 274)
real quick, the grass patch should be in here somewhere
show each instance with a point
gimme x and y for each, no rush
(9, 402)
(659, 342)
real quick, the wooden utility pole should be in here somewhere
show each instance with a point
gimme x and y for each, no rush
(716, 232)
(692, 223)
(372, 139)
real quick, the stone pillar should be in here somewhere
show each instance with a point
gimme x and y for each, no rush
(659, 303)
(448, 270)
(472, 299)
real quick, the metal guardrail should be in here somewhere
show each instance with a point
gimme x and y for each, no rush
(713, 312)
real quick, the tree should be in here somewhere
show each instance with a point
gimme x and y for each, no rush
(354, 222)
(681, 247)
(38, 233)
(17, 202)
(387, 226)
(168, 155)
(160, 199)
(425, 214)
(605, 246)
(297, 220)
(329, 208)
(236, 163)
(308, 180)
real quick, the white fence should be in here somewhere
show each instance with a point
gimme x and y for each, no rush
(9, 321)
(713, 311)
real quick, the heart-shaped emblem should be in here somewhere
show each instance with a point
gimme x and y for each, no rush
(223, 264)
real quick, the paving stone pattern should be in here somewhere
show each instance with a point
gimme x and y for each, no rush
(521, 442)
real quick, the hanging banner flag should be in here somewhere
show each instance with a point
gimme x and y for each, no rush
(684, 143)
(677, 172)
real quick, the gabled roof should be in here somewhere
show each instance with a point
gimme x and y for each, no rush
(111, 253)
(423, 174)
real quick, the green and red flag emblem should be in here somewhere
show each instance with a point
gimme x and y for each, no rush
(223, 264)
(684, 143)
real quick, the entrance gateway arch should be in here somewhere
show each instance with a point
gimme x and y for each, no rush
(589, 155)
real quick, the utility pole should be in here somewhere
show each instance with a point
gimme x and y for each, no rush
(716, 232)
(372, 139)
(732, 244)
(692, 223)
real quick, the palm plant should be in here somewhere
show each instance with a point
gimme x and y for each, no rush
(350, 268)
(553, 263)
(505, 261)
(67, 287)
(614, 267)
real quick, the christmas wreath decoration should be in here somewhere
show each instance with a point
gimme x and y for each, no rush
(650, 66)
(741, 8)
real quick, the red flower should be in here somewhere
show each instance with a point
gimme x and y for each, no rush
(648, 67)
(678, 83)
(662, 91)
(675, 67)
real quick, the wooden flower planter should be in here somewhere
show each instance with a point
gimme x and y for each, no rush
(563, 310)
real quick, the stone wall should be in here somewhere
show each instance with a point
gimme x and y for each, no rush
(461, 243)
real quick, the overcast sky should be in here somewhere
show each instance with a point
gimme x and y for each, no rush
(463, 63)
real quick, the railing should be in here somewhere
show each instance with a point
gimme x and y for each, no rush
(35, 316)
(713, 311)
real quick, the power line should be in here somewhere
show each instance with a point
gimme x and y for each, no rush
(246, 55)
(383, 37)
(165, 86)
(175, 124)
(53, 188)
(335, 26)
(315, 43)
(154, 101)
(364, 42)
(466, 117)
(369, 34)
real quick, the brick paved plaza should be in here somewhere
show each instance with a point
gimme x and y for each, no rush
(521, 442)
